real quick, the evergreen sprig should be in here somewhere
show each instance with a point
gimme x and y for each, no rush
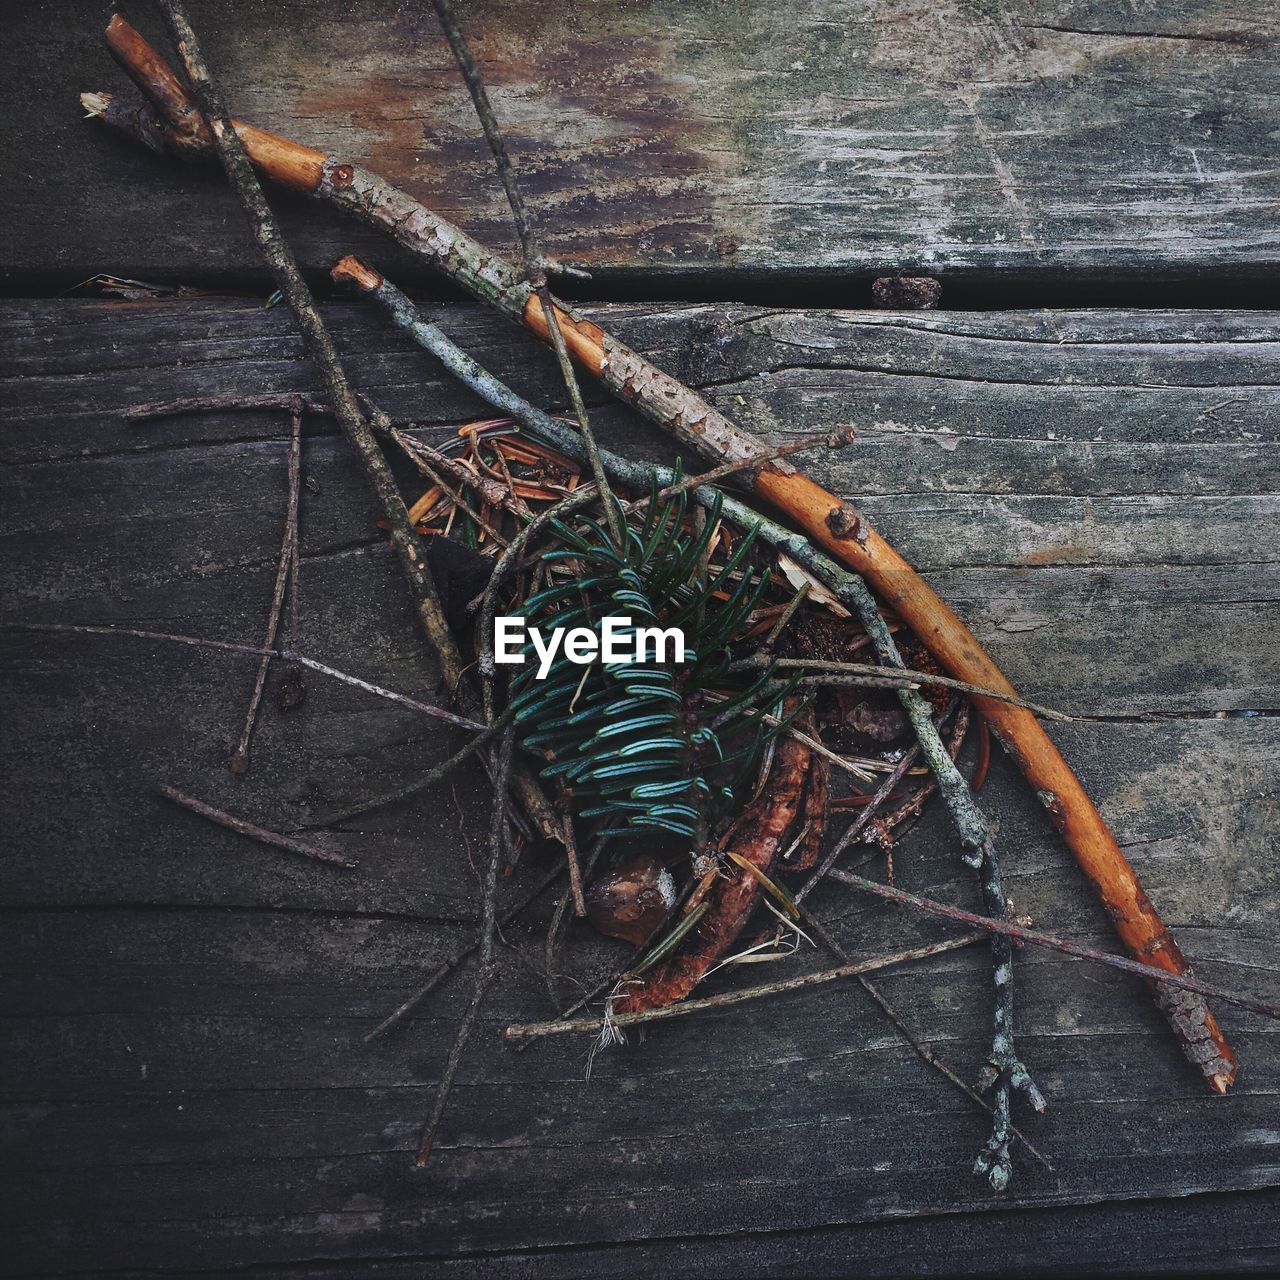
(649, 746)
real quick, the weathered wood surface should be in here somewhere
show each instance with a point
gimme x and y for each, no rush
(185, 1086)
(732, 139)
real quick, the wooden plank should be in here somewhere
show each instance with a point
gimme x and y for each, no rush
(1111, 482)
(1195, 1235)
(740, 142)
(186, 1087)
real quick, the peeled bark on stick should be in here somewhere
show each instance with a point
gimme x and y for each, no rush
(826, 519)
(759, 837)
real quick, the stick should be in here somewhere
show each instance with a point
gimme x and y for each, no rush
(485, 969)
(1180, 981)
(438, 975)
(860, 823)
(419, 784)
(288, 279)
(820, 440)
(231, 646)
(285, 572)
(535, 264)
(534, 1030)
(260, 834)
(925, 1053)
(818, 671)
(824, 517)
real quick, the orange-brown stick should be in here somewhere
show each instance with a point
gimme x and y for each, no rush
(824, 518)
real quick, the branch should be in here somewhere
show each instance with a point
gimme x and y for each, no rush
(535, 265)
(286, 572)
(231, 646)
(1162, 977)
(485, 970)
(569, 1026)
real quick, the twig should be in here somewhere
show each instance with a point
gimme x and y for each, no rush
(439, 974)
(231, 646)
(860, 823)
(453, 494)
(1020, 933)
(288, 279)
(819, 672)
(254, 832)
(535, 264)
(575, 869)
(820, 440)
(533, 1030)
(485, 969)
(419, 784)
(558, 916)
(494, 492)
(1003, 1074)
(285, 572)
(802, 593)
(511, 557)
(923, 1051)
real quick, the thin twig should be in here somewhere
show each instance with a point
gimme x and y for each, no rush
(775, 633)
(819, 672)
(439, 974)
(419, 784)
(485, 969)
(558, 916)
(820, 440)
(533, 1030)
(455, 496)
(254, 832)
(535, 264)
(231, 646)
(860, 823)
(896, 1020)
(284, 567)
(1020, 933)
(575, 868)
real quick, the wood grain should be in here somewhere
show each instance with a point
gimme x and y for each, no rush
(185, 1084)
(726, 140)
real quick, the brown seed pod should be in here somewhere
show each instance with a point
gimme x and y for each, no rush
(633, 902)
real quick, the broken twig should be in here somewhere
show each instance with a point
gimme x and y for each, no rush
(254, 832)
(1182, 981)
(286, 572)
